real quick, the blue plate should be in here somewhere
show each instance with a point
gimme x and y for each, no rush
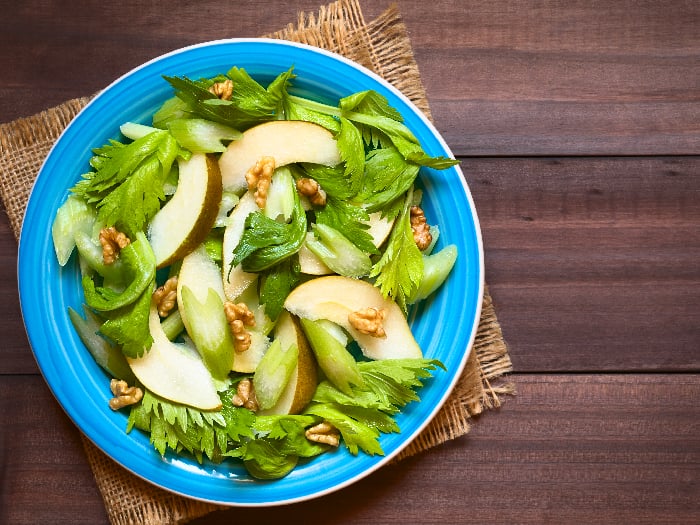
(444, 326)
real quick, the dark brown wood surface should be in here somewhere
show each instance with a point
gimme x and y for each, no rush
(578, 127)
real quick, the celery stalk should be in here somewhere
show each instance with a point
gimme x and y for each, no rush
(273, 373)
(202, 136)
(108, 356)
(74, 216)
(436, 268)
(338, 252)
(335, 360)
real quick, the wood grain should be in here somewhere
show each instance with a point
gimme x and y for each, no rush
(503, 78)
(593, 261)
(568, 448)
(577, 127)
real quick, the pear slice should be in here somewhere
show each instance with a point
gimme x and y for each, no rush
(235, 279)
(184, 222)
(287, 141)
(379, 228)
(175, 371)
(246, 362)
(335, 297)
(304, 379)
(200, 299)
(309, 262)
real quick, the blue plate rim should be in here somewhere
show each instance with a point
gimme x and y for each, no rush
(478, 268)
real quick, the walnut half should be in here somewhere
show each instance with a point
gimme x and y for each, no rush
(112, 241)
(368, 321)
(245, 395)
(165, 296)
(323, 433)
(239, 316)
(223, 90)
(420, 227)
(124, 395)
(312, 189)
(259, 178)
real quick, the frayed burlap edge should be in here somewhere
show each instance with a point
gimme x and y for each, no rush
(381, 45)
(24, 144)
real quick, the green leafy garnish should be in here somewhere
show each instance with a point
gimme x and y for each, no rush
(127, 184)
(266, 242)
(276, 283)
(400, 269)
(388, 176)
(365, 413)
(139, 266)
(250, 102)
(181, 428)
(278, 444)
(128, 326)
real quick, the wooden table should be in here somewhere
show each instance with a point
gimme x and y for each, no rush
(577, 124)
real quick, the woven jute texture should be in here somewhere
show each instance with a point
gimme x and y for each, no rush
(381, 45)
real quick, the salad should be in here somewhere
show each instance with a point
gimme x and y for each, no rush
(248, 261)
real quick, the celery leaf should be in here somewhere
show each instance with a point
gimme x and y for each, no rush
(127, 184)
(266, 242)
(361, 417)
(400, 269)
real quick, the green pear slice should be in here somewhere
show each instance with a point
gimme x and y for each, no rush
(287, 141)
(200, 299)
(335, 297)
(186, 219)
(235, 279)
(304, 378)
(175, 371)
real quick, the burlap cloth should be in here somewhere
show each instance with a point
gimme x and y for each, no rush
(381, 45)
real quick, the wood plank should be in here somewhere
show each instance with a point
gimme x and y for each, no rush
(532, 78)
(545, 78)
(567, 448)
(592, 263)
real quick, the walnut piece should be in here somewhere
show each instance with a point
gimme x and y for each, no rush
(368, 321)
(245, 395)
(323, 433)
(165, 296)
(312, 189)
(223, 90)
(421, 230)
(112, 241)
(239, 316)
(124, 395)
(259, 177)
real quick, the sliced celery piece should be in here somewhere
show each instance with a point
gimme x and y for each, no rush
(280, 195)
(338, 252)
(273, 373)
(108, 356)
(173, 325)
(228, 202)
(134, 131)
(173, 108)
(202, 136)
(436, 268)
(74, 216)
(91, 255)
(336, 362)
(209, 330)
